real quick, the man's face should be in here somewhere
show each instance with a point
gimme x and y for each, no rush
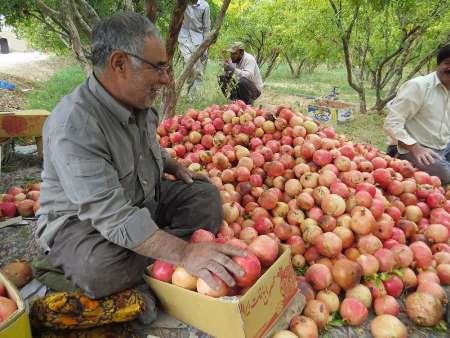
(143, 82)
(236, 56)
(443, 70)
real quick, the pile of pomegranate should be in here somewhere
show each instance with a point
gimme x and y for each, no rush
(363, 227)
(20, 201)
(7, 305)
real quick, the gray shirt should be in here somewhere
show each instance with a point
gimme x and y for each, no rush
(248, 68)
(101, 161)
(196, 23)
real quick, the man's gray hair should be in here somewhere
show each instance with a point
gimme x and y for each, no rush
(125, 31)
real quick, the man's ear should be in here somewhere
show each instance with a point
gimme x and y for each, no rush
(118, 61)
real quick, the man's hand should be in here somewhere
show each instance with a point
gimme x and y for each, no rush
(228, 66)
(174, 168)
(424, 155)
(204, 259)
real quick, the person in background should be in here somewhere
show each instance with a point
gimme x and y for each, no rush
(196, 25)
(242, 78)
(418, 120)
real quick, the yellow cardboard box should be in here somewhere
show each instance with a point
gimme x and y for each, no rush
(18, 325)
(250, 315)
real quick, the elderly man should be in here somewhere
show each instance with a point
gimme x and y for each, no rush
(196, 25)
(241, 79)
(419, 120)
(105, 207)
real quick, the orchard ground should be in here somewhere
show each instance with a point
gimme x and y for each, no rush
(46, 82)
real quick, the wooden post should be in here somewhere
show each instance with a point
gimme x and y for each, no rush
(38, 141)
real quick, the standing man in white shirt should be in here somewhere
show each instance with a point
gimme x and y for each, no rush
(196, 25)
(419, 119)
(247, 83)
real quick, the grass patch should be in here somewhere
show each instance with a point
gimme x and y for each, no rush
(366, 128)
(49, 93)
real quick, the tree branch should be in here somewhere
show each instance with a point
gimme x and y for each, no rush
(128, 5)
(151, 10)
(174, 27)
(85, 27)
(88, 12)
(74, 37)
(47, 10)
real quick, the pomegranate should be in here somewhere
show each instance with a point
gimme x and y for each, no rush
(346, 273)
(361, 293)
(363, 222)
(328, 244)
(284, 334)
(393, 286)
(443, 271)
(319, 276)
(369, 264)
(184, 279)
(369, 244)
(353, 311)
(409, 278)
(317, 311)
(304, 327)
(252, 269)
(162, 271)
(333, 205)
(403, 255)
(265, 248)
(423, 309)
(386, 305)
(387, 325)
(386, 259)
(436, 233)
(422, 254)
(7, 308)
(346, 236)
(204, 288)
(433, 289)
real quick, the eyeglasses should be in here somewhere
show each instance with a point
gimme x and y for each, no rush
(161, 69)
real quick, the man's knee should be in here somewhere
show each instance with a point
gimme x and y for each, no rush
(98, 283)
(209, 197)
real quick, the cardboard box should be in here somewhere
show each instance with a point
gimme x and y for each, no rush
(18, 325)
(250, 315)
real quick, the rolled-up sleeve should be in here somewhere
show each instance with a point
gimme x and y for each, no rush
(92, 183)
(404, 106)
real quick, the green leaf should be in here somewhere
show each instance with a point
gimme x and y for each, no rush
(336, 320)
(441, 327)
(398, 272)
(301, 271)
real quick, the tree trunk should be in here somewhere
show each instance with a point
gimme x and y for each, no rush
(299, 69)
(151, 10)
(169, 100)
(362, 101)
(271, 65)
(291, 66)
